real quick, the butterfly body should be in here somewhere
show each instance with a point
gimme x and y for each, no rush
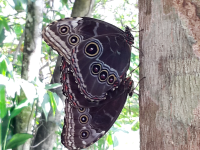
(95, 59)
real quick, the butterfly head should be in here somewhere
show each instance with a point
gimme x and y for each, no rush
(129, 37)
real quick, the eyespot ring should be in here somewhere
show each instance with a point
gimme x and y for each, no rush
(103, 75)
(84, 134)
(74, 39)
(96, 68)
(83, 119)
(111, 77)
(64, 29)
(91, 49)
(81, 109)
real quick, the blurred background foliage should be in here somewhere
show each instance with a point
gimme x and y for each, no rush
(38, 94)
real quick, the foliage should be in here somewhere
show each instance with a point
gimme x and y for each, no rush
(9, 93)
(12, 23)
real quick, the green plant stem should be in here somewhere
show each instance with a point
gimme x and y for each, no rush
(0, 134)
(4, 143)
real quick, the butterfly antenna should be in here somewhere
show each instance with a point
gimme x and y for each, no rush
(137, 31)
(134, 69)
(135, 26)
(138, 50)
(140, 81)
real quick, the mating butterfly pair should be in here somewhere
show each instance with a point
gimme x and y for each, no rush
(95, 59)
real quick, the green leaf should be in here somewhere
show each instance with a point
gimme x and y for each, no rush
(18, 5)
(3, 109)
(2, 37)
(52, 101)
(46, 19)
(136, 126)
(9, 68)
(117, 123)
(109, 139)
(61, 15)
(46, 105)
(18, 139)
(57, 99)
(19, 108)
(116, 142)
(52, 86)
(65, 3)
(18, 29)
(4, 23)
(3, 67)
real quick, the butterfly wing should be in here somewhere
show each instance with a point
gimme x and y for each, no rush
(97, 51)
(64, 34)
(85, 125)
(99, 63)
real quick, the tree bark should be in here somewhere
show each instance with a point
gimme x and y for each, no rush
(30, 64)
(170, 93)
(81, 8)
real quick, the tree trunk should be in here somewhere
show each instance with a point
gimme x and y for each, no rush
(170, 93)
(30, 64)
(80, 8)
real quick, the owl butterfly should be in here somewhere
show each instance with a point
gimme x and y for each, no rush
(95, 59)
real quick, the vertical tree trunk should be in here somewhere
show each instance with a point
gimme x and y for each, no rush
(81, 8)
(170, 93)
(30, 64)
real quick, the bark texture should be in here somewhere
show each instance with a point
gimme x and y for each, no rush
(170, 93)
(81, 8)
(30, 64)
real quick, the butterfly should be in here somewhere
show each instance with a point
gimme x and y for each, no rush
(95, 59)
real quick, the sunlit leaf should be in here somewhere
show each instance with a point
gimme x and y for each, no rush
(3, 67)
(59, 102)
(18, 29)
(3, 109)
(52, 101)
(29, 90)
(18, 5)
(136, 126)
(18, 139)
(4, 23)
(2, 36)
(19, 108)
(109, 139)
(52, 86)
(115, 142)
(46, 105)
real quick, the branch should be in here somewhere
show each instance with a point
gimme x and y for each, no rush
(42, 141)
(18, 48)
(48, 63)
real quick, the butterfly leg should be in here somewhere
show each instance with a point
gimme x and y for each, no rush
(132, 88)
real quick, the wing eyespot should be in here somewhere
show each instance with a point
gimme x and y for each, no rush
(81, 109)
(64, 29)
(84, 119)
(111, 79)
(74, 39)
(91, 49)
(103, 75)
(84, 134)
(96, 68)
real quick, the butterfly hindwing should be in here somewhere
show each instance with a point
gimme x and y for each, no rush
(85, 125)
